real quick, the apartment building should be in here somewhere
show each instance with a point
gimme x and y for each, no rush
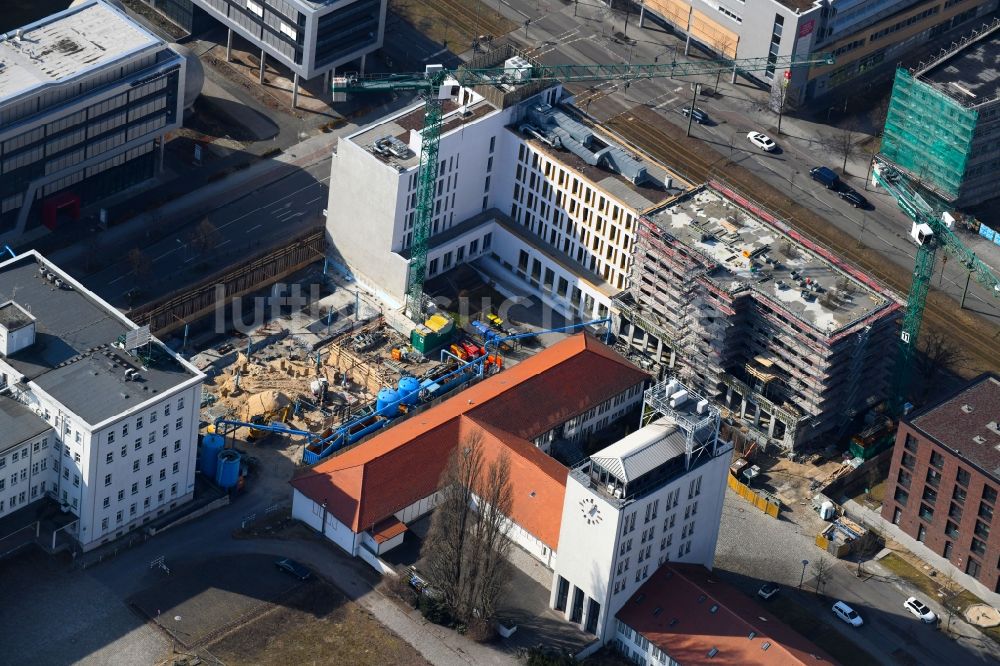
(310, 37)
(943, 122)
(685, 615)
(653, 497)
(96, 414)
(525, 189)
(943, 486)
(868, 37)
(790, 339)
(87, 98)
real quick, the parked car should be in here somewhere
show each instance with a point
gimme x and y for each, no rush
(762, 141)
(847, 614)
(700, 116)
(294, 568)
(826, 176)
(921, 610)
(852, 197)
(768, 590)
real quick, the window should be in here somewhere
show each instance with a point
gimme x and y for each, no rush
(962, 477)
(124, 429)
(104, 524)
(111, 437)
(152, 437)
(955, 512)
(981, 530)
(135, 466)
(135, 488)
(934, 477)
(908, 461)
(176, 468)
(166, 410)
(138, 423)
(107, 479)
(897, 513)
(985, 511)
(901, 496)
(972, 568)
(118, 517)
(926, 513)
(177, 445)
(930, 495)
(121, 495)
(937, 460)
(166, 430)
(921, 533)
(149, 459)
(76, 480)
(958, 494)
(152, 417)
(109, 458)
(173, 488)
(107, 502)
(163, 474)
(990, 494)
(904, 478)
(951, 529)
(132, 509)
(138, 443)
(149, 481)
(124, 451)
(180, 403)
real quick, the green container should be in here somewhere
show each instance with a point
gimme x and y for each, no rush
(426, 341)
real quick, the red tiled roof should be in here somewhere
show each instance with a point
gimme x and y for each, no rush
(404, 463)
(686, 593)
(387, 529)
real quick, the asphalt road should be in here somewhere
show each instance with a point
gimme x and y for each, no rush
(258, 219)
(556, 36)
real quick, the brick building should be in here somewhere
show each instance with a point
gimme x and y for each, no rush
(944, 481)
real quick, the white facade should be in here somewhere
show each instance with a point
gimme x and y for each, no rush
(115, 470)
(502, 196)
(28, 470)
(611, 540)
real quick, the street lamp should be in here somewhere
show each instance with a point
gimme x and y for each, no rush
(177, 618)
(805, 563)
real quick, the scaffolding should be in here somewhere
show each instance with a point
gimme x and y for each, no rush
(929, 135)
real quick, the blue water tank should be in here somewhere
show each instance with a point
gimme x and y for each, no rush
(387, 403)
(211, 444)
(409, 390)
(228, 473)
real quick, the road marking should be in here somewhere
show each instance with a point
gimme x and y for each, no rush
(224, 242)
(165, 254)
(312, 200)
(290, 194)
(120, 277)
(254, 227)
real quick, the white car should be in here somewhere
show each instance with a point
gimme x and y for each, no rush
(920, 609)
(762, 141)
(847, 614)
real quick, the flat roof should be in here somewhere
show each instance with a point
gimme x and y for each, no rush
(13, 316)
(968, 423)
(970, 74)
(67, 44)
(687, 612)
(18, 423)
(74, 358)
(746, 252)
(399, 127)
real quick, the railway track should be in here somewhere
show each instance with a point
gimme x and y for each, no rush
(698, 163)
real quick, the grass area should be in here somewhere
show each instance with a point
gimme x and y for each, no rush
(316, 625)
(962, 600)
(873, 497)
(819, 632)
(452, 23)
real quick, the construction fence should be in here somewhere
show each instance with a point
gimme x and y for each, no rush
(763, 501)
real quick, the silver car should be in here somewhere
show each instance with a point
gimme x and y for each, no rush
(921, 610)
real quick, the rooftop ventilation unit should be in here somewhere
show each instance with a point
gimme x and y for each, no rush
(390, 145)
(518, 68)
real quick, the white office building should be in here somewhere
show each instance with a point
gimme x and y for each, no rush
(653, 497)
(94, 414)
(525, 189)
(87, 99)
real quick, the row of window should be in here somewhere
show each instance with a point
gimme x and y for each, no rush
(133, 508)
(140, 422)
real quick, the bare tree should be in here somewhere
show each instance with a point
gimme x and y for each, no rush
(205, 237)
(138, 262)
(879, 113)
(844, 144)
(822, 569)
(465, 552)
(723, 45)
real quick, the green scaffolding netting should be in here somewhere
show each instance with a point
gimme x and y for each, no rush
(928, 134)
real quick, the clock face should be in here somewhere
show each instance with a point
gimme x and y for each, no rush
(591, 512)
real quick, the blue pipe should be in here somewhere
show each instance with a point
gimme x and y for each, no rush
(12, 253)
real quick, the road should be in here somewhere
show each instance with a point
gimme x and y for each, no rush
(753, 548)
(555, 35)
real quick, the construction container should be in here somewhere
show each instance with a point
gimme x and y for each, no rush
(440, 323)
(228, 473)
(387, 402)
(426, 341)
(409, 390)
(210, 446)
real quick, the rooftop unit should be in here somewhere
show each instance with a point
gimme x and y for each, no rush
(17, 328)
(391, 146)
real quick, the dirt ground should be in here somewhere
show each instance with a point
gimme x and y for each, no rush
(315, 625)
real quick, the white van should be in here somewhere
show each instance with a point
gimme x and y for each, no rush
(847, 614)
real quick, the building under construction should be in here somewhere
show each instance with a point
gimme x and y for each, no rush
(787, 337)
(943, 124)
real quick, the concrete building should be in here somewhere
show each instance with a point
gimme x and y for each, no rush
(106, 429)
(525, 190)
(943, 124)
(943, 485)
(310, 37)
(653, 497)
(868, 37)
(87, 98)
(684, 615)
(788, 337)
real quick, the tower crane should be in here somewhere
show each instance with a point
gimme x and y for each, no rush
(931, 229)
(437, 84)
